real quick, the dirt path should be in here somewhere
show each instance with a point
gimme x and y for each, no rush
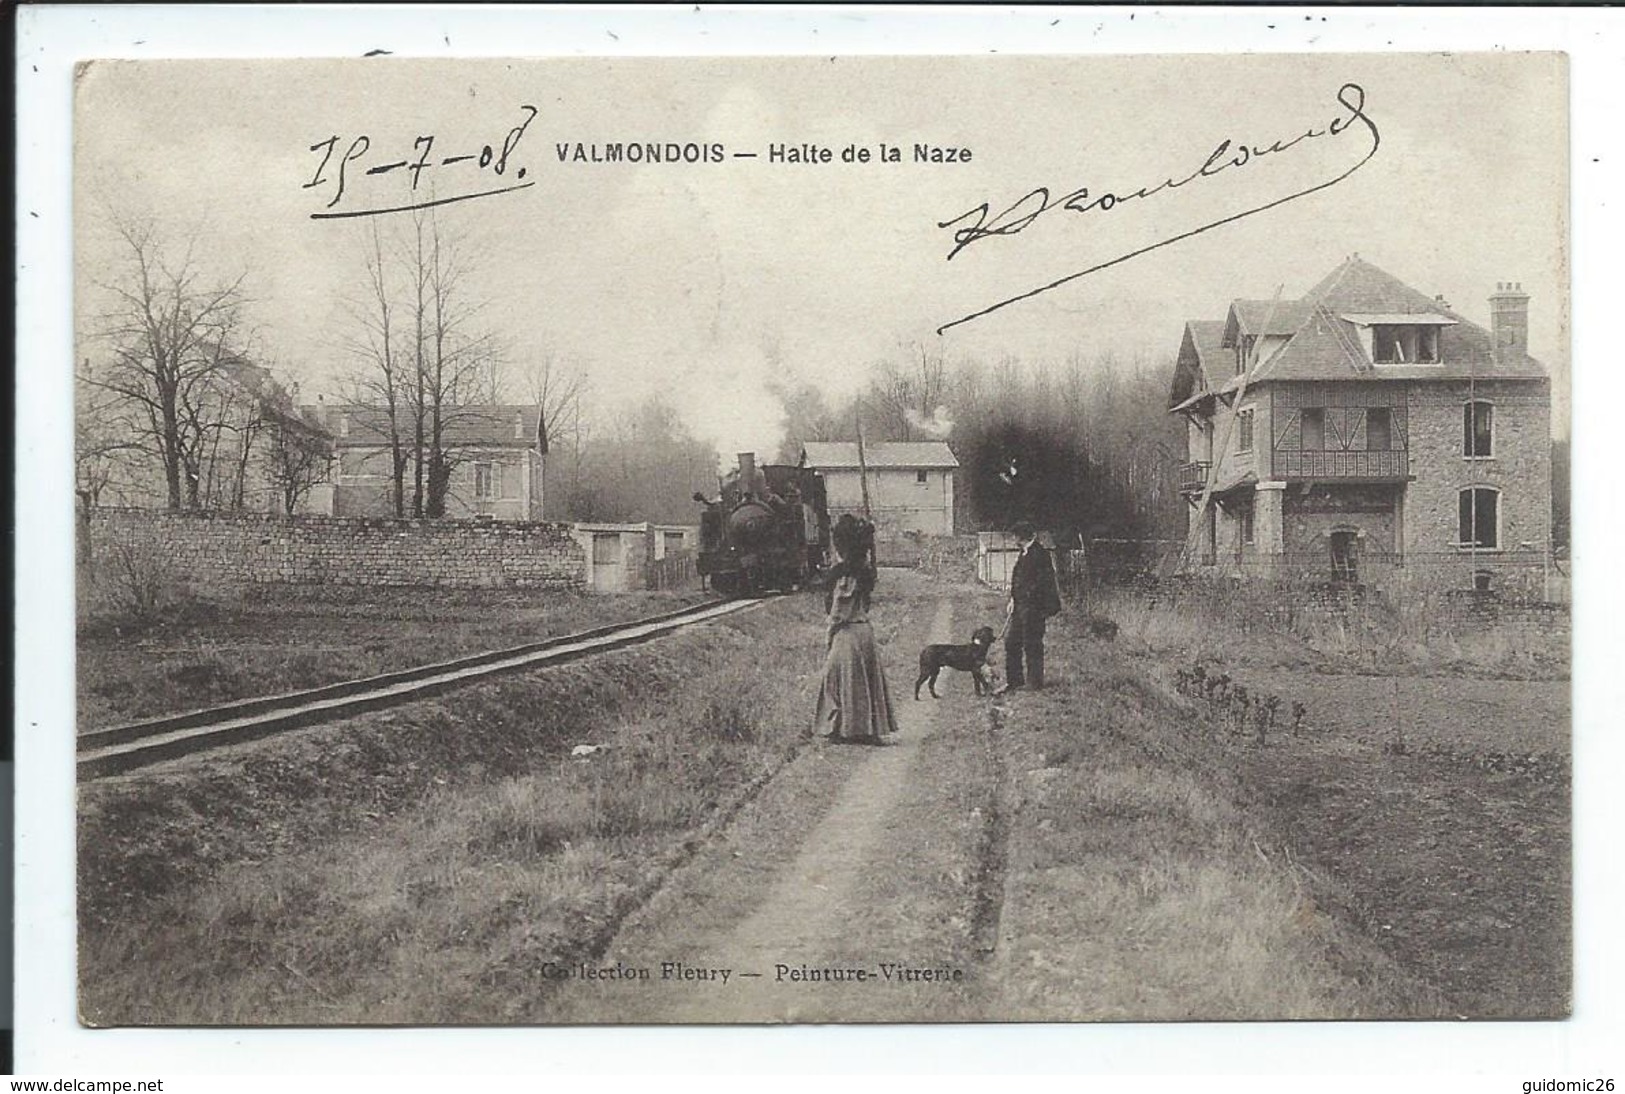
(804, 909)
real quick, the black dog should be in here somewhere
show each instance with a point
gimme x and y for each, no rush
(971, 658)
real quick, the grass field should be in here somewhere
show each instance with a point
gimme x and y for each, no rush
(286, 638)
(1442, 805)
(414, 865)
(1461, 714)
(1141, 883)
(1431, 812)
(1264, 626)
(1403, 857)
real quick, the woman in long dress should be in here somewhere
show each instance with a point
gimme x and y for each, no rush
(854, 703)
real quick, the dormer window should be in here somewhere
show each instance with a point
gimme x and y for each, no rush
(1244, 352)
(1407, 344)
(1398, 338)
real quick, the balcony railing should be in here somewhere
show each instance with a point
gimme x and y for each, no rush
(1341, 464)
(1193, 476)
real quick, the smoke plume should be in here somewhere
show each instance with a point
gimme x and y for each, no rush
(937, 427)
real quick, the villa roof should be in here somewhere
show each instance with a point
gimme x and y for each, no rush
(1323, 337)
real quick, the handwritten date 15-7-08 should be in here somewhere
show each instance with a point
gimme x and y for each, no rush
(337, 172)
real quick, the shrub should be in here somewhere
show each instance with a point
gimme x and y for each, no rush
(130, 584)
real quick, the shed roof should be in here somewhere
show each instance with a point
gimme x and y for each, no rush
(843, 455)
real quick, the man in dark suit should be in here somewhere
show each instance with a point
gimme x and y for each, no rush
(1034, 597)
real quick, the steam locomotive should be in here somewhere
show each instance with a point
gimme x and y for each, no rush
(768, 529)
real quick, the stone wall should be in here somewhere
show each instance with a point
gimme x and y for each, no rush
(1491, 609)
(235, 549)
(1460, 612)
(1310, 519)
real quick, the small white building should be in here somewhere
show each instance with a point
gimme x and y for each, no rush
(911, 483)
(618, 555)
(671, 538)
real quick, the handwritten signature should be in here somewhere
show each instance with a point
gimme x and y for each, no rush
(337, 176)
(1021, 214)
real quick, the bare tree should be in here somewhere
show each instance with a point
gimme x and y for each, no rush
(379, 385)
(226, 419)
(891, 398)
(905, 394)
(558, 387)
(456, 364)
(808, 416)
(645, 466)
(104, 440)
(170, 333)
(422, 362)
(417, 269)
(298, 456)
(930, 381)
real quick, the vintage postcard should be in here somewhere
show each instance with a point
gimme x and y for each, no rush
(822, 539)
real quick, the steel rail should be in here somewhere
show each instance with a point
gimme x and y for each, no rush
(118, 749)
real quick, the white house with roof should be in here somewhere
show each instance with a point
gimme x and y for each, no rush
(495, 455)
(910, 483)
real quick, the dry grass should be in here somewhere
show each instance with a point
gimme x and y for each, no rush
(1142, 889)
(1164, 869)
(1141, 882)
(425, 865)
(199, 651)
(1271, 625)
(488, 852)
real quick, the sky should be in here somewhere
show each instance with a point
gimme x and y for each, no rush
(708, 282)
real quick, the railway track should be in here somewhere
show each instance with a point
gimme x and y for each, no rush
(118, 749)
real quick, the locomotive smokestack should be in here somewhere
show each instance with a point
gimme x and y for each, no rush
(747, 471)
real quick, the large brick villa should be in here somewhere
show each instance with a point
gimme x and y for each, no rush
(1370, 435)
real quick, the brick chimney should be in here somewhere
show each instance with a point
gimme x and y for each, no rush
(1509, 319)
